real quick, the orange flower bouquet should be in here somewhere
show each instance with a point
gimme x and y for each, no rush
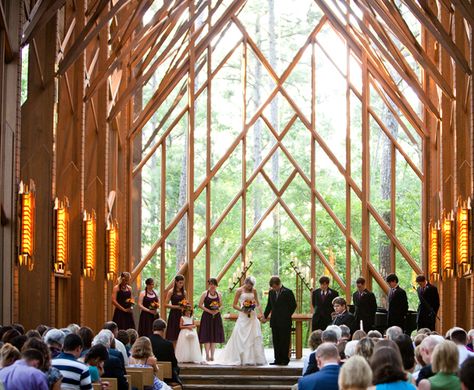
(130, 302)
(214, 305)
(248, 306)
(154, 305)
(183, 303)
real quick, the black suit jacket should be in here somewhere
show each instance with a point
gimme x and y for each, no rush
(397, 308)
(365, 308)
(429, 301)
(323, 306)
(114, 368)
(164, 352)
(282, 308)
(347, 319)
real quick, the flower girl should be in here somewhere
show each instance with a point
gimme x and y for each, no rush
(187, 347)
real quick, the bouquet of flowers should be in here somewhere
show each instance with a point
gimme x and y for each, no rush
(214, 305)
(154, 305)
(130, 302)
(183, 303)
(248, 306)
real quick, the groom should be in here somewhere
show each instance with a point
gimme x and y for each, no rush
(281, 304)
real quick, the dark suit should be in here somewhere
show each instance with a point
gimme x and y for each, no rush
(312, 364)
(428, 307)
(347, 319)
(164, 352)
(322, 308)
(325, 378)
(281, 308)
(365, 309)
(397, 307)
(114, 368)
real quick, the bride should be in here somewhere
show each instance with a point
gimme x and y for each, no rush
(245, 346)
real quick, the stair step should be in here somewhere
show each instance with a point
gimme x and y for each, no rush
(240, 379)
(238, 387)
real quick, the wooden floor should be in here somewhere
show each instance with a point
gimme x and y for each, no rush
(212, 376)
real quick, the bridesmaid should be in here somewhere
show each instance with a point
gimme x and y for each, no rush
(176, 295)
(211, 331)
(123, 302)
(148, 303)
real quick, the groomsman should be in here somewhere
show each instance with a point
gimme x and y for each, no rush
(343, 317)
(365, 306)
(321, 304)
(397, 303)
(281, 304)
(429, 303)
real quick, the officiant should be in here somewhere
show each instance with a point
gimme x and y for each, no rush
(281, 304)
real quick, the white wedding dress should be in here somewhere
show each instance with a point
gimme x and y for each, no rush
(245, 346)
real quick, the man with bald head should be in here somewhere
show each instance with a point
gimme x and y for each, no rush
(327, 357)
(426, 349)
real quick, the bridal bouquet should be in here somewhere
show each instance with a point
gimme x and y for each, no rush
(214, 305)
(248, 306)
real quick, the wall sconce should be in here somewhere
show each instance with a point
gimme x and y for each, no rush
(447, 254)
(89, 228)
(433, 254)
(27, 224)
(112, 249)
(462, 237)
(61, 219)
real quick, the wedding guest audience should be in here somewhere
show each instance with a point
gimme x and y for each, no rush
(53, 375)
(33, 333)
(87, 335)
(350, 348)
(314, 342)
(18, 341)
(9, 335)
(419, 362)
(8, 355)
(393, 332)
(123, 337)
(326, 378)
(74, 328)
(405, 345)
(359, 335)
(419, 338)
(24, 374)
(387, 369)
(459, 337)
(163, 349)
(336, 329)
(112, 326)
(445, 365)
(466, 374)
(355, 374)
(54, 339)
(75, 373)
(426, 350)
(4, 329)
(95, 359)
(374, 334)
(470, 339)
(133, 336)
(19, 327)
(114, 366)
(42, 329)
(365, 348)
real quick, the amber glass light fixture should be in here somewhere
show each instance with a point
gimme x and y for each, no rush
(462, 237)
(90, 247)
(61, 219)
(433, 250)
(112, 249)
(27, 224)
(447, 253)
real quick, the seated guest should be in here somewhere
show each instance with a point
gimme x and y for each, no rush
(445, 365)
(350, 348)
(75, 373)
(313, 343)
(164, 350)
(74, 328)
(365, 348)
(112, 326)
(343, 316)
(387, 368)
(355, 374)
(142, 356)
(345, 337)
(459, 337)
(133, 336)
(426, 350)
(335, 329)
(405, 345)
(393, 332)
(87, 335)
(42, 329)
(19, 327)
(470, 339)
(95, 359)
(9, 335)
(33, 333)
(8, 355)
(359, 335)
(328, 336)
(24, 374)
(327, 357)
(123, 337)
(374, 334)
(114, 366)
(54, 339)
(466, 374)
(53, 375)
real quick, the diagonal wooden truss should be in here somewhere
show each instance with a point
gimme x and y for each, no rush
(173, 38)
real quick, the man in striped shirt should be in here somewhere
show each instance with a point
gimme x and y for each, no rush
(76, 375)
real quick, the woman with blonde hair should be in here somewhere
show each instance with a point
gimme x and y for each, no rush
(444, 361)
(8, 355)
(142, 356)
(355, 374)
